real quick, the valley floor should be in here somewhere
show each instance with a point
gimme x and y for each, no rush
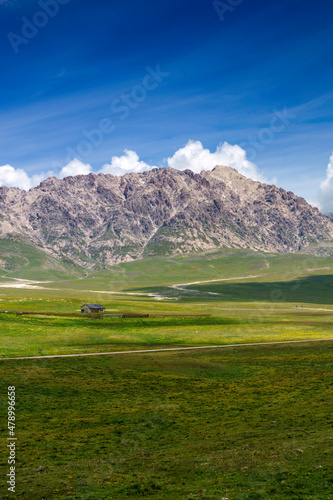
(168, 415)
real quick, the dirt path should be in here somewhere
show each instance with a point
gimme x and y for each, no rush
(147, 351)
(316, 309)
(180, 285)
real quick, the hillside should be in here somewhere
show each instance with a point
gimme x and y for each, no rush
(96, 220)
(22, 259)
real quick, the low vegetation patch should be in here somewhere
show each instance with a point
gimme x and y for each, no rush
(244, 424)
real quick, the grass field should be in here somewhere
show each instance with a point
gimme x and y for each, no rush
(50, 335)
(239, 423)
(250, 423)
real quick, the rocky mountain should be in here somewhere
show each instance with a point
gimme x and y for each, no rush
(102, 219)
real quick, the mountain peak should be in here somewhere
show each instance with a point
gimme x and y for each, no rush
(99, 219)
(224, 169)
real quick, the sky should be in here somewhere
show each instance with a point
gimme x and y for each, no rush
(114, 86)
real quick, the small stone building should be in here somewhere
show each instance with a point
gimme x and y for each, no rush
(92, 308)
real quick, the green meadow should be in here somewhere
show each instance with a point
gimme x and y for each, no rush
(242, 422)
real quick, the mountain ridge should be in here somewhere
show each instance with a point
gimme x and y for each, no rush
(105, 219)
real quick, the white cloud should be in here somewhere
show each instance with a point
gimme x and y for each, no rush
(314, 204)
(194, 157)
(17, 177)
(128, 162)
(325, 195)
(11, 177)
(75, 167)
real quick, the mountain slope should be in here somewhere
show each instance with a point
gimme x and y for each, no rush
(20, 258)
(106, 219)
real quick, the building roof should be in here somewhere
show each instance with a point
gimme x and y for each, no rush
(93, 306)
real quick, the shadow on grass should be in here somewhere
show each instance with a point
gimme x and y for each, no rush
(128, 323)
(312, 289)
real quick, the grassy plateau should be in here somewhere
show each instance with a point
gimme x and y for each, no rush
(240, 423)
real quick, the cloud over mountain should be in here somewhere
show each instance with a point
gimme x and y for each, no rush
(192, 156)
(325, 195)
(128, 162)
(195, 157)
(75, 167)
(102, 219)
(17, 177)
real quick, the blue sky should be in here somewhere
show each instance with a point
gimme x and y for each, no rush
(223, 78)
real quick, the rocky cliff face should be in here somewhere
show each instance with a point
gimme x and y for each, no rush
(106, 219)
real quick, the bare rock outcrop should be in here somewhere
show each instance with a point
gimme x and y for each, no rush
(103, 219)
